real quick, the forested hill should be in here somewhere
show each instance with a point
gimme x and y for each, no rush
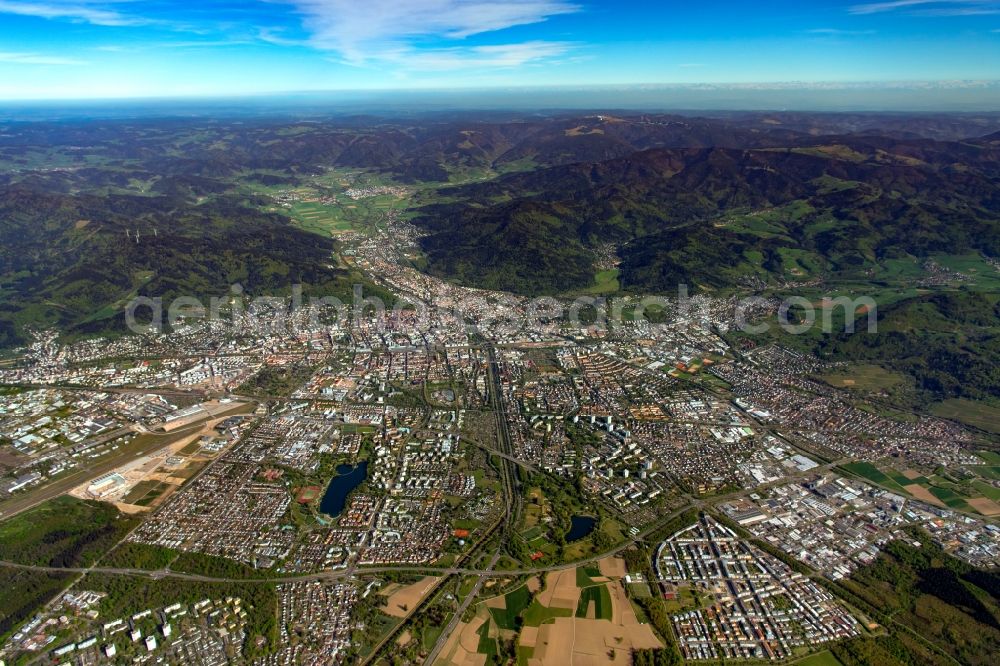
(73, 260)
(95, 212)
(712, 217)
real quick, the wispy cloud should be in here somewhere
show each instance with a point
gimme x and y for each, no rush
(110, 13)
(490, 56)
(184, 44)
(930, 7)
(382, 29)
(36, 59)
(837, 32)
(278, 37)
(410, 35)
(83, 11)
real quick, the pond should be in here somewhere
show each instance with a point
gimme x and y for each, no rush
(348, 478)
(580, 526)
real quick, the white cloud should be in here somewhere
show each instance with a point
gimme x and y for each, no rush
(931, 7)
(361, 30)
(36, 59)
(491, 56)
(84, 11)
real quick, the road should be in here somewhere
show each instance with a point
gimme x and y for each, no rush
(512, 502)
(489, 572)
(511, 480)
(506, 456)
(457, 617)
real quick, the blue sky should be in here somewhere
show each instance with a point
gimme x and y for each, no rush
(58, 49)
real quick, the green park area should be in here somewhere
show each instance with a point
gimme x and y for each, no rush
(64, 532)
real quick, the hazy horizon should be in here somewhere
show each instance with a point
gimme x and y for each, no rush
(854, 97)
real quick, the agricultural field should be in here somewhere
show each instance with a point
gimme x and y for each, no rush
(991, 457)
(875, 475)
(869, 378)
(318, 218)
(970, 495)
(824, 658)
(974, 413)
(514, 603)
(334, 202)
(583, 612)
(588, 575)
(400, 600)
(989, 471)
(605, 282)
(975, 270)
(536, 614)
(595, 603)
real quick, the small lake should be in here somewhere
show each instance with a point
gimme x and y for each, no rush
(348, 478)
(580, 526)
